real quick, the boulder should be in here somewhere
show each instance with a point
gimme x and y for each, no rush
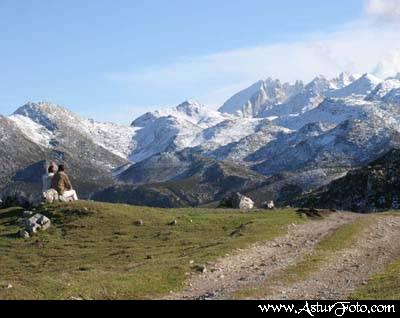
(32, 228)
(139, 223)
(23, 234)
(36, 223)
(201, 268)
(63, 199)
(270, 205)
(43, 220)
(50, 196)
(237, 201)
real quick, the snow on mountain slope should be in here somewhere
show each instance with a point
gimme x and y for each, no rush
(174, 129)
(321, 84)
(332, 111)
(226, 132)
(295, 132)
(264, 133)
(383, 89)
(396, 77)
(362, 86)
(272, 99)
(271, 94)
(236, 102)
(265, 95)
(16, 151)
(310, 97)
(393, 96)
(351, 143)
(287, 141)
(189, 125)
(223, 135)
(344, 79)
(45, 123)
(115, 138)
(190, 111)
(164, 134)
(337, 110)
(35, 132)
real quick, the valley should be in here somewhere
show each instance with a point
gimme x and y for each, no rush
(273, 140)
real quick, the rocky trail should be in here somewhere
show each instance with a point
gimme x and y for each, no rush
(336, 279)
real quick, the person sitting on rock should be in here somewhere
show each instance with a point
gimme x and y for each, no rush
(48, 177)
(63, 186)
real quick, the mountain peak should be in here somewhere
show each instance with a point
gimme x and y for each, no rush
(361, 86)
(271, 81)
(396, 77)
(31, 109)
(190, 107)
(319, 84)
(371, 78)
(384, 88)
(344, 79)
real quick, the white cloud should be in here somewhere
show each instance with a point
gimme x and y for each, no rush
(358, 47)
(388, 66)
(383, 10)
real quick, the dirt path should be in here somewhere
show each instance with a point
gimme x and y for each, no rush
(250, 267)
(337, 279)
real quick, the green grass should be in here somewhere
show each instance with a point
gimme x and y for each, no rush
(96, 251)
(324, 251)
(383, 286)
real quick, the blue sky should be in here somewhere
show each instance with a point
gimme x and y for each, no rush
(113, 60)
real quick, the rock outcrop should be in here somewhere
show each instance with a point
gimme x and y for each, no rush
(237, 201)
(373, 188)
(32, 223)
(269, 205)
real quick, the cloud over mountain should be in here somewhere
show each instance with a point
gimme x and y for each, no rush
(359, 46)
(383, 10)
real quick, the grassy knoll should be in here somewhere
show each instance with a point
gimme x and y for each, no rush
(98, 251)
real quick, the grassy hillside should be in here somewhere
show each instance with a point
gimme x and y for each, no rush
(98, 251)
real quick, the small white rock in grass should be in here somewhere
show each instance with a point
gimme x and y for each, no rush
(23, 234)
(27, 214)
(36, 223)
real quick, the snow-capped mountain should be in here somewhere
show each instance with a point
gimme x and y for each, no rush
(263, 133)
(237, 101)
(360, 87)
(305, 100)
(46, 123)
(271, 99)
(344, 79)
(31, 136)
(383, 89)
(190, 111)
(187, 125)
(392, 97)
(299, 136)
(254, 101)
